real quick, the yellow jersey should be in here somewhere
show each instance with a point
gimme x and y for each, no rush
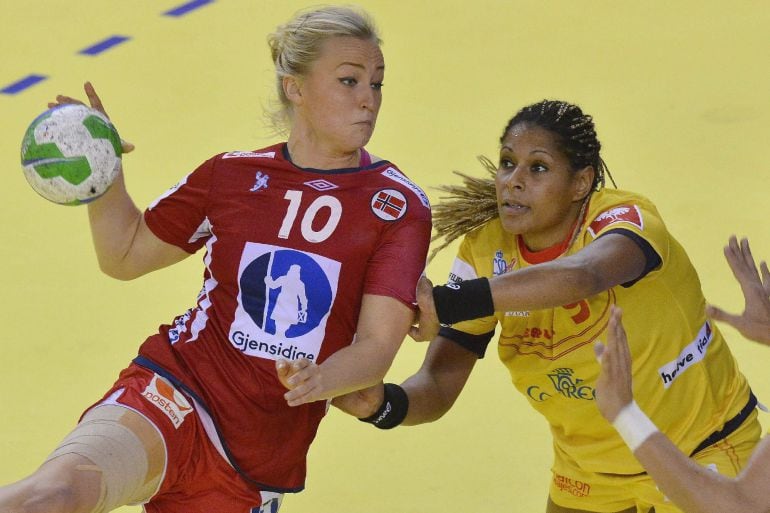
(684, 376)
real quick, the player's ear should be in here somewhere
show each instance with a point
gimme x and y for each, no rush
(292, 88)
(583, 182)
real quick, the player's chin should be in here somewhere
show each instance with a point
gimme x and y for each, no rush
(362, 132)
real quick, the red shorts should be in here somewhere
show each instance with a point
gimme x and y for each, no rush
(197, 476)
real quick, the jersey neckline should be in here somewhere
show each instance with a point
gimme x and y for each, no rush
(365, 163)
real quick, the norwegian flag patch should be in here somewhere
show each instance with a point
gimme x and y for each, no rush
(620, 214)
(388, 204)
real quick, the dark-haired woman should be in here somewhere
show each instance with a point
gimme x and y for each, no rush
(547, 251)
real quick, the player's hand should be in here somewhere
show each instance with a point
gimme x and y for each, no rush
(96, 104)
(303, 379)
(613, 388)
(361, 403)
(754, 322)
(426, 320)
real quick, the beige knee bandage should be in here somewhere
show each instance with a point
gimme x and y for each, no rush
(118, 452)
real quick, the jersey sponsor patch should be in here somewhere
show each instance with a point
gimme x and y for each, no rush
(399, 177)
(620, 214)
(388, 204)
(694, 352)
(168, 400)
(284, 300)
(249, 154)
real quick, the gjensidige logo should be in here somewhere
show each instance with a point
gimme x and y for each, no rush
(284, 302)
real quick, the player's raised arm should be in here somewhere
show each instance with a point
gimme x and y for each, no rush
(125, 247)
(694, 488)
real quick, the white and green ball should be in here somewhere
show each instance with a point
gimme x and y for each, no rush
(71, 154)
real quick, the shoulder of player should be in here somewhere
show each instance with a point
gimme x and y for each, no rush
(609, 199)
(392, 177)
(487, 235)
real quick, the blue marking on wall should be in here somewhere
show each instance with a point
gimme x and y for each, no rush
(186, 8)
(22, 84)
(104, 45)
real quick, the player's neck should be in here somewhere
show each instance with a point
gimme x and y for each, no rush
(307, 153)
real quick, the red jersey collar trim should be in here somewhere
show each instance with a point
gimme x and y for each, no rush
(544, 255)
(364, 161)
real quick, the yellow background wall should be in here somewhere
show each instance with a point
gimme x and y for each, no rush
(679, 92)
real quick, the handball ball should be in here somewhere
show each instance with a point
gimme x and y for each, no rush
(71, 154)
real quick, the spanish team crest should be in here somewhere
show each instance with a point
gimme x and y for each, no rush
(621, 214)
(500, 266)
(284, 301)
(388, 204)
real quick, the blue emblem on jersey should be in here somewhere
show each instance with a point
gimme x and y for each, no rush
(284, 301)
(286, 293)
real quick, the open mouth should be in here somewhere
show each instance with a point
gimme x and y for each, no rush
(513, 206)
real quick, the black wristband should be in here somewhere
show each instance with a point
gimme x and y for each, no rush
(463, 301)
(393, 409)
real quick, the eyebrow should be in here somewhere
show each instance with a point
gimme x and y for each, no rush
(506, 147)
(356, 65)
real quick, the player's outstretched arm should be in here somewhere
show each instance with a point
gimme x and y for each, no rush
(125, 246)
(754, 322)
(690, 486)
(424, 397)
(608, 261)
(382, 326)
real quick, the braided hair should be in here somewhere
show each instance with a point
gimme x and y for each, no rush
(468, 206)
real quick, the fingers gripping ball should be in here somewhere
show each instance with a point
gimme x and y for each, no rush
(71, 154)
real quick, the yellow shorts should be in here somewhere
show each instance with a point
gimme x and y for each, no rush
(574, 488)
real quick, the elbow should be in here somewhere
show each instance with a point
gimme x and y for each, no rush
(118, 272)
(435, 415)
(586, 280)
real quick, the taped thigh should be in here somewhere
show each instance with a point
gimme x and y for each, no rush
(118, 450)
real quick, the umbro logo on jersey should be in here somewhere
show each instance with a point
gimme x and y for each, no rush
(260, 182)
(388, 204)
(321, 185)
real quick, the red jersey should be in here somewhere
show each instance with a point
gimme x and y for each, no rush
(289, 254)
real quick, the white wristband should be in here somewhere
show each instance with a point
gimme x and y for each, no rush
(634, 426)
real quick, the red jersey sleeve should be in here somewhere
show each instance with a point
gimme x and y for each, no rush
(178, 216)
(400, 259)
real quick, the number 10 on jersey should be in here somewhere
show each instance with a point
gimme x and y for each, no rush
(310, 214)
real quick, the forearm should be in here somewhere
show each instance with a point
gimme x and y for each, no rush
(114, 220)
(436, 386)
(427, 403)
(693, 488)
(548, 285)
(354, 367)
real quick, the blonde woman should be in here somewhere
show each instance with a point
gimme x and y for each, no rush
(199, 422)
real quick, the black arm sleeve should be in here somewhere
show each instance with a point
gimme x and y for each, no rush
(476, 344)
(650, 255)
